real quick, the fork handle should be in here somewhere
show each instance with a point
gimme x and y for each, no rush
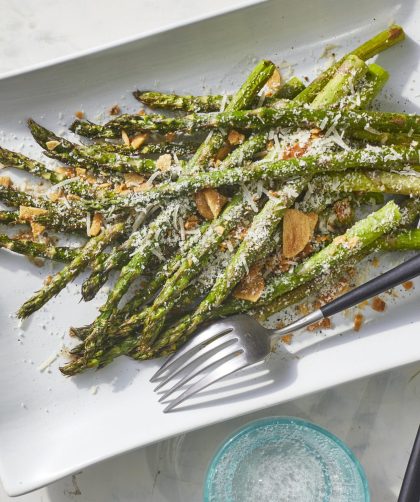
(397, 275)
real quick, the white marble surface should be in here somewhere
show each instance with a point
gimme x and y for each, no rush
(34, 33)
(377, 417)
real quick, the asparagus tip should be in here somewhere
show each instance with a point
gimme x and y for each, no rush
(74, 125)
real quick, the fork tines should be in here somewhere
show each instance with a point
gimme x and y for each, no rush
(213, 353)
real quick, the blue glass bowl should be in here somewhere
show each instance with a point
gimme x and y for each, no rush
(285, 459)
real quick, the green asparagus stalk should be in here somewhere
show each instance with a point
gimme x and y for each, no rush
(10, 218)
(118, 258)
(210, 103)
(289, 90)
(258, 119)
(348, 74)
(100, 273)
(386, 138)
(209, 148)
(144, 251)
(38, 249)
(385, 158)
(88, 157)
(246, 151)
(324, 190)
(376, 78)
(374, 181)
(154, 99)
(58, 216)
(13, 197)
(387, 38)
(20, 161)
(264, 118)
(179, 149)
(89, 252)
(50, 220)
(402, 241)
(16, 198)
(61, 220)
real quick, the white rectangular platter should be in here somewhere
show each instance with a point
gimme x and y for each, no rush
(51, 426)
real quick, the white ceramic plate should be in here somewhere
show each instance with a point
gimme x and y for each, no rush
(51, 426)
(51, 42)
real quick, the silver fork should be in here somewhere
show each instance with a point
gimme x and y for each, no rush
(228, 345)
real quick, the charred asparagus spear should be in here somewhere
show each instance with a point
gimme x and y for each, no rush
(70, 271)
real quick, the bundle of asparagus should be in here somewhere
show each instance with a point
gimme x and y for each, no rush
(254, 218)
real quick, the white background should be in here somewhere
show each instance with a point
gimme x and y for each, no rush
(32, 33)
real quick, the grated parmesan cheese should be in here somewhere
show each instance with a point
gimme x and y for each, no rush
(152, 178)
(47, 363)
(223, 103)
(62, 184)
(158, 254)
(138, 221)
(277, 146)
(66, 203)
(323, 123)
(261, 100)
(88, 223)
(248, 197)
(244, 264)
(176, 159)
(372, 130)
(175, 216)
(259, 188)
(181, 228)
